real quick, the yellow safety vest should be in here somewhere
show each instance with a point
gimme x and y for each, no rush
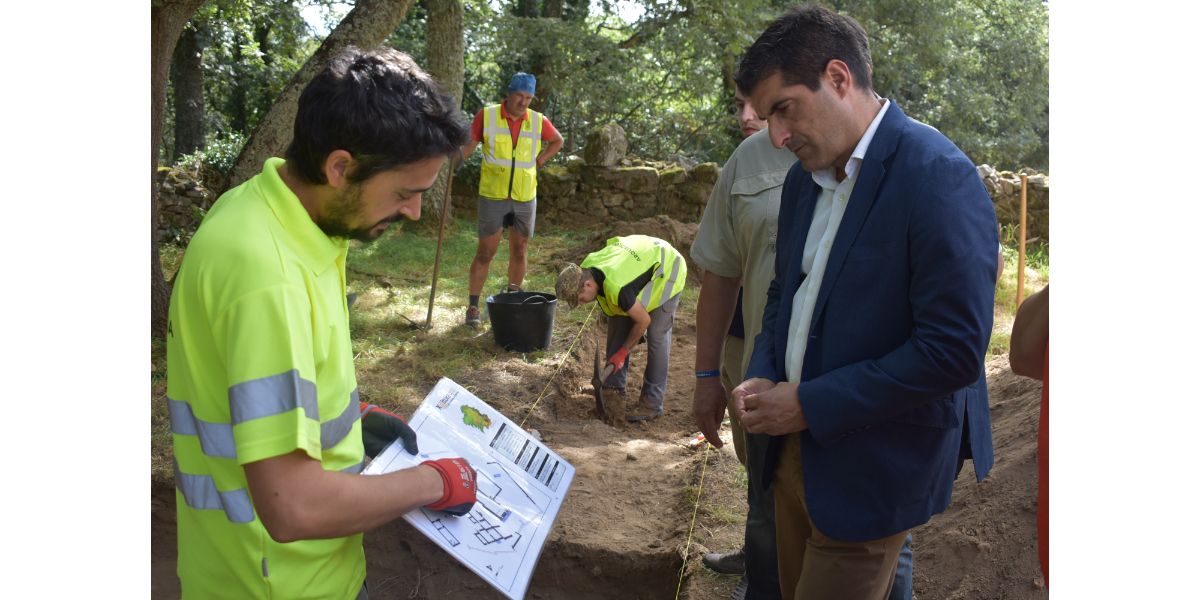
(626, 258)
(509, 172)
(259, 365)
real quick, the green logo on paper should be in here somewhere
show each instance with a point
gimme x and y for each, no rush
(475, 419)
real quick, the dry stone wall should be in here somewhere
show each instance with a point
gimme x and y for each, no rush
(577, 194)
(1005, 189)
(605, 186)
(182, 201)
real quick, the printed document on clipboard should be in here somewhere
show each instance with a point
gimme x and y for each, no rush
(520, 486)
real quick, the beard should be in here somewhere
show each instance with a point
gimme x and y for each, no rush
(336, 218)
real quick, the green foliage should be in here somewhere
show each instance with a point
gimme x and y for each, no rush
(218, 154)
(252, 49)
(977, 70)
(409, 36)
(664, 85)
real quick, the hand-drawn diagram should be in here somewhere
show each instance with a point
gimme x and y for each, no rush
(520, 485)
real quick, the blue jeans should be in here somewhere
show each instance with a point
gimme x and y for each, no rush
(902, 586)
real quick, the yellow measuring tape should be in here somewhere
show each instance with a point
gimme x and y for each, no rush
(700, 489)
(561, 363)
(691, 528)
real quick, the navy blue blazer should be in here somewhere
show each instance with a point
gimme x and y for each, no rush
(893, 383)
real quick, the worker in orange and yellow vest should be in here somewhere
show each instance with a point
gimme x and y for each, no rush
(517, 141)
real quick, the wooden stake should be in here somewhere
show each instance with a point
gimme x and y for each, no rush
(1021, 242)
(437, 261)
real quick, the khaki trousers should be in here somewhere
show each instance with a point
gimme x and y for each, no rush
(813, 566)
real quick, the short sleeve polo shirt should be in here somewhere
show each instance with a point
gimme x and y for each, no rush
(259, 365)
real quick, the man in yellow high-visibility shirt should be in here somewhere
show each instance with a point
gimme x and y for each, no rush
(637, 280)
(517, 141)
(267, 428)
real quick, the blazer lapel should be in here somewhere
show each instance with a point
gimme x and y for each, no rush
(870, 176)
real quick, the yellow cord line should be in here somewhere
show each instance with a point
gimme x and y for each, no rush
(688, 548)
(561, 363)
(700, 489)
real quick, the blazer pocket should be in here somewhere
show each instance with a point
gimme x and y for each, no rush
(938, 413)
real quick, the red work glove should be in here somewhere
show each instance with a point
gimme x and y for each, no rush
(458, 486)
(380, 428)
(617, 360)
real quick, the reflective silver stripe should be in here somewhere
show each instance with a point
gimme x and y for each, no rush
(272, 395)
(201, 493)
(265, 567)
(666, 295)
(490, 120)
(353, 469)
(334, 430)
(649, 289)
(506, 162)
(216, 439)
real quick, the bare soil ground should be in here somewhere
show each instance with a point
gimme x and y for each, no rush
(626, 530)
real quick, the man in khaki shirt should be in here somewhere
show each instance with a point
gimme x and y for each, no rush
(736, 248)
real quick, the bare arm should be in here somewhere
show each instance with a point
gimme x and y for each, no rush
(1031, 335)
(641, 322)
(469, 149)
(714, 311)
(298, 500)
(549, 151)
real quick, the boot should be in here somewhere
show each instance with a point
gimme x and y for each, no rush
(643, 413)
(730, 563)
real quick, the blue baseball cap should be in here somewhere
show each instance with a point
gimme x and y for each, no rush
(523, 82)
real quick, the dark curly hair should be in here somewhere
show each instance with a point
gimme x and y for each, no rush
(379, 106)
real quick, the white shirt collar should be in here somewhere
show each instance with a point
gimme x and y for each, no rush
(827, 178)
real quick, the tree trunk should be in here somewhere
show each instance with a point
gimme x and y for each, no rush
(446, 65)
(187, 80)
(366, 26)
(238, 119)
(527, 8)
(167, 18)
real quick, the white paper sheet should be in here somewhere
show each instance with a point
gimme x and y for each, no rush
(520, 485)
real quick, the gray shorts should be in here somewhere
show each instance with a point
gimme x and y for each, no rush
(495, 214)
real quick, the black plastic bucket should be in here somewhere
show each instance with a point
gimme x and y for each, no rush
(522, 321)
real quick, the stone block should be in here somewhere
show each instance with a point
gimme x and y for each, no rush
(672, 176)
(637, 179)
(605, 146)
(706, 173)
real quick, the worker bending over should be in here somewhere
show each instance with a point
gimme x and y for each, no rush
(637, 280)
